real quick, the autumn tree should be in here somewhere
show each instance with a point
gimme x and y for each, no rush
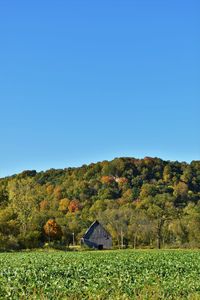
(57, 192)
(133, 194)
(181, 193)
(167, 173)
(74, 206)
(63, 205)
(52, 230)
(22, 195)
(44, 205)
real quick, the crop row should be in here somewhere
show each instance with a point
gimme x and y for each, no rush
(120, 275)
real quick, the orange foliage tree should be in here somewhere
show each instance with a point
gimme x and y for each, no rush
(44, 205)
(74, 205)
(107, 179)
(58, 192)
(52, 229)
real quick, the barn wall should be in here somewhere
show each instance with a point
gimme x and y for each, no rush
(100, 237)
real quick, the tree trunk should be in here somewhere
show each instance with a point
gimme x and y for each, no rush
(159, 234)
(158, 241)
(135, 241)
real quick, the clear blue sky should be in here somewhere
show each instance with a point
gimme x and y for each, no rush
(83, 81)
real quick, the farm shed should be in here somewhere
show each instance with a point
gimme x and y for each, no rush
(97, 237)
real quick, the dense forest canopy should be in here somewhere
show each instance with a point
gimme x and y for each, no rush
(144, 202)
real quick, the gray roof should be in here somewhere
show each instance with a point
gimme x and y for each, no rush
(92, 227)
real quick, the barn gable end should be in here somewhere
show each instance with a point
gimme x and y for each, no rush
(97, 237)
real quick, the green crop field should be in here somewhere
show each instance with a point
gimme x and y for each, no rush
(124, 274)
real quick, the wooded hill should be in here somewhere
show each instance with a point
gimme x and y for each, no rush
(142, 202)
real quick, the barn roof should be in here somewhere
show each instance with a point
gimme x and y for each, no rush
(92, 227)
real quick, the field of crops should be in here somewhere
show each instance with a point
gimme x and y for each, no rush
(122, 275)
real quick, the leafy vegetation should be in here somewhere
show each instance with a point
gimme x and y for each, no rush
(123, 274)
(142, 202)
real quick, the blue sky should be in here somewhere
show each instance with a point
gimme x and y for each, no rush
(84, 81)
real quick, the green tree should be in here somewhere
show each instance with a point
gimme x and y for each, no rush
(159, 209)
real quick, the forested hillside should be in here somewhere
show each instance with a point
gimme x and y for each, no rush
(145, 202)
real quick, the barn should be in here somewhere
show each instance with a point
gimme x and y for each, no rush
(97, 237)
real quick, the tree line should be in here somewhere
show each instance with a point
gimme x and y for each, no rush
(142, 202)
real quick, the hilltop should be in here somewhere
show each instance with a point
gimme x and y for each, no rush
(141, 197)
